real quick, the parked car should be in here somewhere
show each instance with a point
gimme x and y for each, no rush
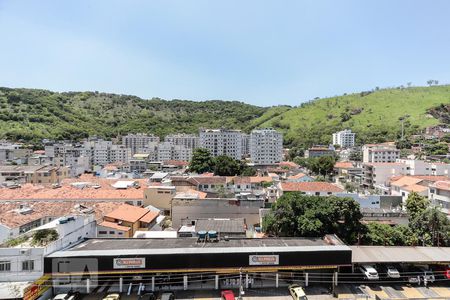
(168, 296)
(442, 271)
(69, 296)
(147, 296)
(112, 297)
(427, 274)
(369, 272)
(389, 270)
(297, 292)
(227, 295)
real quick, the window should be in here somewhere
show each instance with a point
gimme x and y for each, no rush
(317, 193)
(5, 266)
(120, 233)
(102, 232)
(28, 265)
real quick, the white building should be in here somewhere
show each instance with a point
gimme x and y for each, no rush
(245, 145)
(421, 167)
(190, 141)
(266, 146)
(222, 142)
(105, 152)
(439, 194)
(379, 174)
(344, 138)
(380, 153)
(138, 141)
(70, 155)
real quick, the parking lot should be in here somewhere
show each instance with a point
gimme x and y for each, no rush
(344, 291)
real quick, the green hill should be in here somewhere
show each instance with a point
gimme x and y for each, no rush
(373, 115)
(31, 115)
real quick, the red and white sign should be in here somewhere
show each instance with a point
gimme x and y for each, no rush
(129, 263)
(264, 260)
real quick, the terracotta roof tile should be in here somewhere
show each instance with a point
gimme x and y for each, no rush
(114, 226)
(343, 165)
(149, 217)
(310, 187)
(127, 212)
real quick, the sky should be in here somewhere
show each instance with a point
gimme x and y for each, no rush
(259, 52)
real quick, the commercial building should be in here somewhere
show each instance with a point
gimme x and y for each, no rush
(222, 142)
(266, 146)
(185, 260)
(344, 138)
(380, 153)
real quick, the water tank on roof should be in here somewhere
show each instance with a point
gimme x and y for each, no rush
(201, 235)
(63, 221)
(212, 235)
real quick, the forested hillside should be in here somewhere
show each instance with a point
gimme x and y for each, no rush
(374, 115)
(31, 114)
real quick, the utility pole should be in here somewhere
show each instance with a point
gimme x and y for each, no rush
(241, 288)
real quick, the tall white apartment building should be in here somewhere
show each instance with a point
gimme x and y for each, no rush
(245, 144)
(421, 167)
(222, 142)
(380, 153)
(105, 152)
(266, 146)
(138, 141)
(191, 141)
(344, 138)
(165, 151)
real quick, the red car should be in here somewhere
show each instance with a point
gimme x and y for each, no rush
(227, 295)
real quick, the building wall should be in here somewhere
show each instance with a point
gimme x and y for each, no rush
(222, 142)
(159, 197)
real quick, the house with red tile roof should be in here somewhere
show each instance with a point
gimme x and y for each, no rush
(300, 177)
(310, 188)
(125, 220)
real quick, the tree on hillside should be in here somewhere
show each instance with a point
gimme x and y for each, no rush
(295, 214)
(416, 205)
(201, 161)
(226, 166)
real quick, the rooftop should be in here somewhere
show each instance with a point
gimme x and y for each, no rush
(84, 188)
(11, 217)
(114, 226)
(108, 247)
(393, 254)
(310, 187)
(343, 165)
(221, 225)
(442, 185)
(129, 213)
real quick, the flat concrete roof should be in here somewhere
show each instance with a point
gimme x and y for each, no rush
(113, 247)
(393, 254)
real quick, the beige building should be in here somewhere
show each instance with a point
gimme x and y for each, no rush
(159, 197)
(34, 174)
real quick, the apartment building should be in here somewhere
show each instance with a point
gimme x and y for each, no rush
(420, 167)
(138, 141)
(380, 153)
(104, 152)
(440, 195)
(379, 174)
(222, 142)
(190, 141)
(344, 138)
(245, 145)
(13, 152)
(71, 155)
(33, 174)
(266, 146)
